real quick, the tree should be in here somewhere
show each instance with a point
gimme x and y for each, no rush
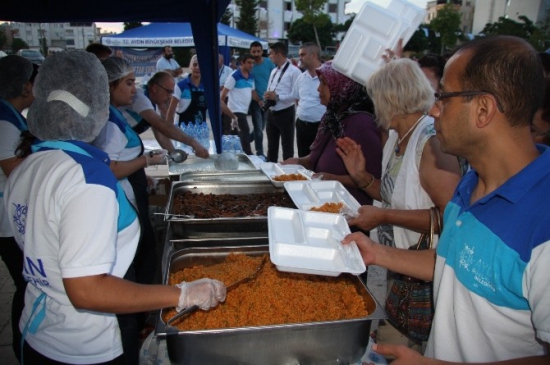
(345, 26)
(510, 27)
(524, 28)
(132, 25)
(18, 44)
(248, 21)
(447, 24)
(311, 10)
(419, 41)
(300, 31)
(3, 38)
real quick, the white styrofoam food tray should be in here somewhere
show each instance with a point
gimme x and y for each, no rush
(374, 29)
(271, 170)
(310, 243)
(314, 193)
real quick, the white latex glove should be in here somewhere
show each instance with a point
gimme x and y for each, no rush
(156, 157)
(235, 124)
(204, 293)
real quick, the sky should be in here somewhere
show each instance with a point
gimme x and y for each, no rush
(110, 27)
(353, 7)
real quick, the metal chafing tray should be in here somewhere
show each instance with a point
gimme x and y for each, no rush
(180, 244)
(219, 227)
(334, 342)
(235, 176)
(172, 245)
(194, 163)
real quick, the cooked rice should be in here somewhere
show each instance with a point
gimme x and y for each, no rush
(289, 177)
(329, 207)
(274, 297)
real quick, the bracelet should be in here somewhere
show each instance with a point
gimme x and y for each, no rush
(146, 160)
(369, 184)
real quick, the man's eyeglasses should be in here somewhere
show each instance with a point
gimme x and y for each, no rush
(165, 89)
(442, 96)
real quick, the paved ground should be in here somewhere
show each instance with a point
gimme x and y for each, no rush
(6, 292)
(376, 283)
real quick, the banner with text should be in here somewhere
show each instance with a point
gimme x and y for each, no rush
(144, 61)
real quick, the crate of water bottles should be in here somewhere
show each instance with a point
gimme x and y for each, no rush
(198, 130)
(231, 143)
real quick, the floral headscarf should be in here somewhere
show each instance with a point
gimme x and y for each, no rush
(346, 97)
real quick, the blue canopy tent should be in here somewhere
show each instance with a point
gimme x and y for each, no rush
(203, 15)
(179, 35)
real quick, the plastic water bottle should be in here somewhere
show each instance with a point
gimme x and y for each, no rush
(225, 143)
(190, 130)
(205, 135)
(236, 144)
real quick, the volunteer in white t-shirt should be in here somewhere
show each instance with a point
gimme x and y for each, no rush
(77, 230)
(16, 80)
(167, 63)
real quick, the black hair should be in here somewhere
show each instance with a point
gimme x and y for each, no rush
(98, 49)
(279, 47)
(434, 62)
(510, 69)
(255, 44)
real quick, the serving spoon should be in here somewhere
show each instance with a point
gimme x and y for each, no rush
(177, 155)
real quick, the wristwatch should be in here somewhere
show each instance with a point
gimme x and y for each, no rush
(277, 96)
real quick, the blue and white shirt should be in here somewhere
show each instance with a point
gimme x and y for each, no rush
(120, 142)
(240, 91)
(71, 219)
(492, 270)
(12, 123)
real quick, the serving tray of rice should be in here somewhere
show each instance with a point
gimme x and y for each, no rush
(279, 318)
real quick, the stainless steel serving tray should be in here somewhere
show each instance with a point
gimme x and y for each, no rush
(219, 227)
(172, 245)
(194, 164)
(208, 242)
(334, 342)
(234, 176)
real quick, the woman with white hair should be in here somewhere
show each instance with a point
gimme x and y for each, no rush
(416, 175)
(76, 227)
(188, 99)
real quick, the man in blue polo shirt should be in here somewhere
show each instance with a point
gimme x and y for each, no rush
(490, 269)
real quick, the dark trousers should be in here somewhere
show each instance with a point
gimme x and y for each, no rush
(244, 132)
(33, 357)
(258, 122)
(226, 124)
(145, 266)
(13, 258)
(280, 125)
(305, 135)
(129, 324)
(145, 261)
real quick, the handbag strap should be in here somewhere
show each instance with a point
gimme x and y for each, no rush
(437, 215)
(432, 228)
(425, 242)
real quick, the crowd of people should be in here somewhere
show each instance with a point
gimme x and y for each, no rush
(454, 135)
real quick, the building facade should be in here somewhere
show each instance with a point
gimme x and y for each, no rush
(276, 16)
(58, 36)
(488, 11)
